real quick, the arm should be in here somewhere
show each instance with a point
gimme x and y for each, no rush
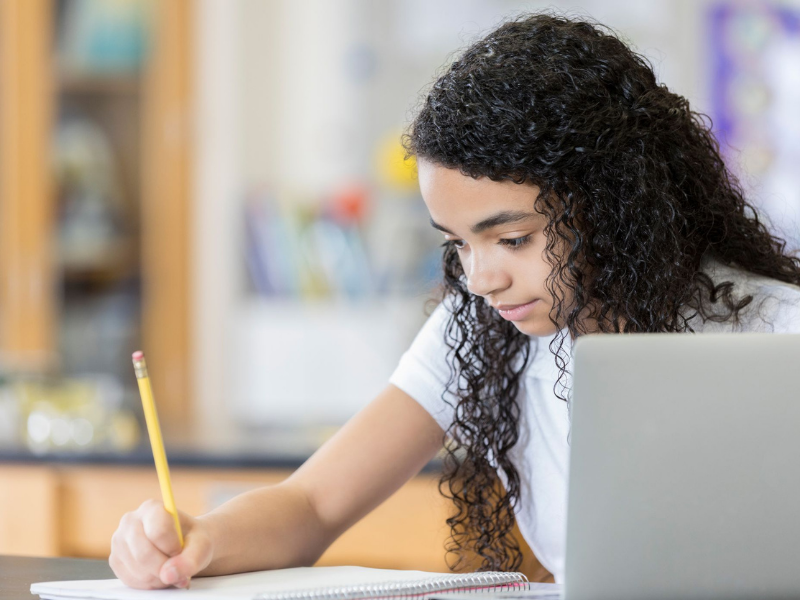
(292, 523)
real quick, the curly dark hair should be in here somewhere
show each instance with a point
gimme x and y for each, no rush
(635, 193)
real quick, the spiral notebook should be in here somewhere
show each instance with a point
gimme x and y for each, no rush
(305, 583)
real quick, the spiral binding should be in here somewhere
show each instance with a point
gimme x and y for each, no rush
(459, 582)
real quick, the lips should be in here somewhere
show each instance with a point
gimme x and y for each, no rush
(506, 307)
(515, 312)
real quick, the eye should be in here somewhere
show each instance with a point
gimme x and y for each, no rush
(515, 243)
(457, 244)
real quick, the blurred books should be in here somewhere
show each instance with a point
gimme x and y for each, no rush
(346, 246)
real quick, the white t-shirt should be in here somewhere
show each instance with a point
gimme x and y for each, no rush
(542, 454)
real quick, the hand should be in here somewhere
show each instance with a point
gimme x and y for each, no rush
(146, 552)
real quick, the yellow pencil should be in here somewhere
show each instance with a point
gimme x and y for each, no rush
(156, 442)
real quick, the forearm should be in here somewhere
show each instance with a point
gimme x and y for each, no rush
(268, 528)
(292, 524)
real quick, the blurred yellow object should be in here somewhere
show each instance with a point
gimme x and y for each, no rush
(394, 169)
(70, 415)
(124, 430)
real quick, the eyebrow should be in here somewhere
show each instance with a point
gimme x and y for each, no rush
(502, 218)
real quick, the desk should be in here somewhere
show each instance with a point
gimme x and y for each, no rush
(17, 573)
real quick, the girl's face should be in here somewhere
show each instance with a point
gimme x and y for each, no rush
(500, 240)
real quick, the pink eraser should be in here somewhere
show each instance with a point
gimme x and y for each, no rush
(138, 355)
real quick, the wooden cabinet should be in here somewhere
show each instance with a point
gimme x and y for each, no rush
(166, 210)
(72, 510)
(152, 154)
(27, 304)
(29, 511)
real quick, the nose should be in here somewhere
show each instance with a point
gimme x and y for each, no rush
(484, 276)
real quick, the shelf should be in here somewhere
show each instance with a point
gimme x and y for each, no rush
(91, 84)
(108, 262)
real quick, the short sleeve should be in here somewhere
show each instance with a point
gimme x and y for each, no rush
(423, 371)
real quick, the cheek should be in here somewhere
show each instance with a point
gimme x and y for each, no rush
(535, 269)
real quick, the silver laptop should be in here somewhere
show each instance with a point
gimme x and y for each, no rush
(685, 467)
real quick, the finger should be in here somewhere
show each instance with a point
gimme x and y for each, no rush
(146, 558)
(120, 558)
(147, 506)
(159, 527)
(129, 579)
(120, 562)
(195, 557)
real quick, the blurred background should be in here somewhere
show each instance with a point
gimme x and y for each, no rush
(220, 183)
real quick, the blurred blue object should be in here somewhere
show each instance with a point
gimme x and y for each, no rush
(104, 36)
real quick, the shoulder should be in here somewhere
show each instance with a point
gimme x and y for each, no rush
(778, 305)
(775, 305)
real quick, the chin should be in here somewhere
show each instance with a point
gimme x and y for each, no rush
(536, 328)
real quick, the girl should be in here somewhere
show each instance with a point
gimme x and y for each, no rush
(576, 195)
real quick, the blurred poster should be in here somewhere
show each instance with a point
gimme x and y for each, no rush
(756, 103)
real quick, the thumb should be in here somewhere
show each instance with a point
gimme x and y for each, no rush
(195, 556)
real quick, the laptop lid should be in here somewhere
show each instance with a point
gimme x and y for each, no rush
(684, 467)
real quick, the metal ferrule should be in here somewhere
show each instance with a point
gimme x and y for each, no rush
(140, 368)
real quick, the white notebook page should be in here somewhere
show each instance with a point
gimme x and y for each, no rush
(263, 583)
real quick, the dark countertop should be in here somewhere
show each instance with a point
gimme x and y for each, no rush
(17, 573)
(274, 449)
(178, 458)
